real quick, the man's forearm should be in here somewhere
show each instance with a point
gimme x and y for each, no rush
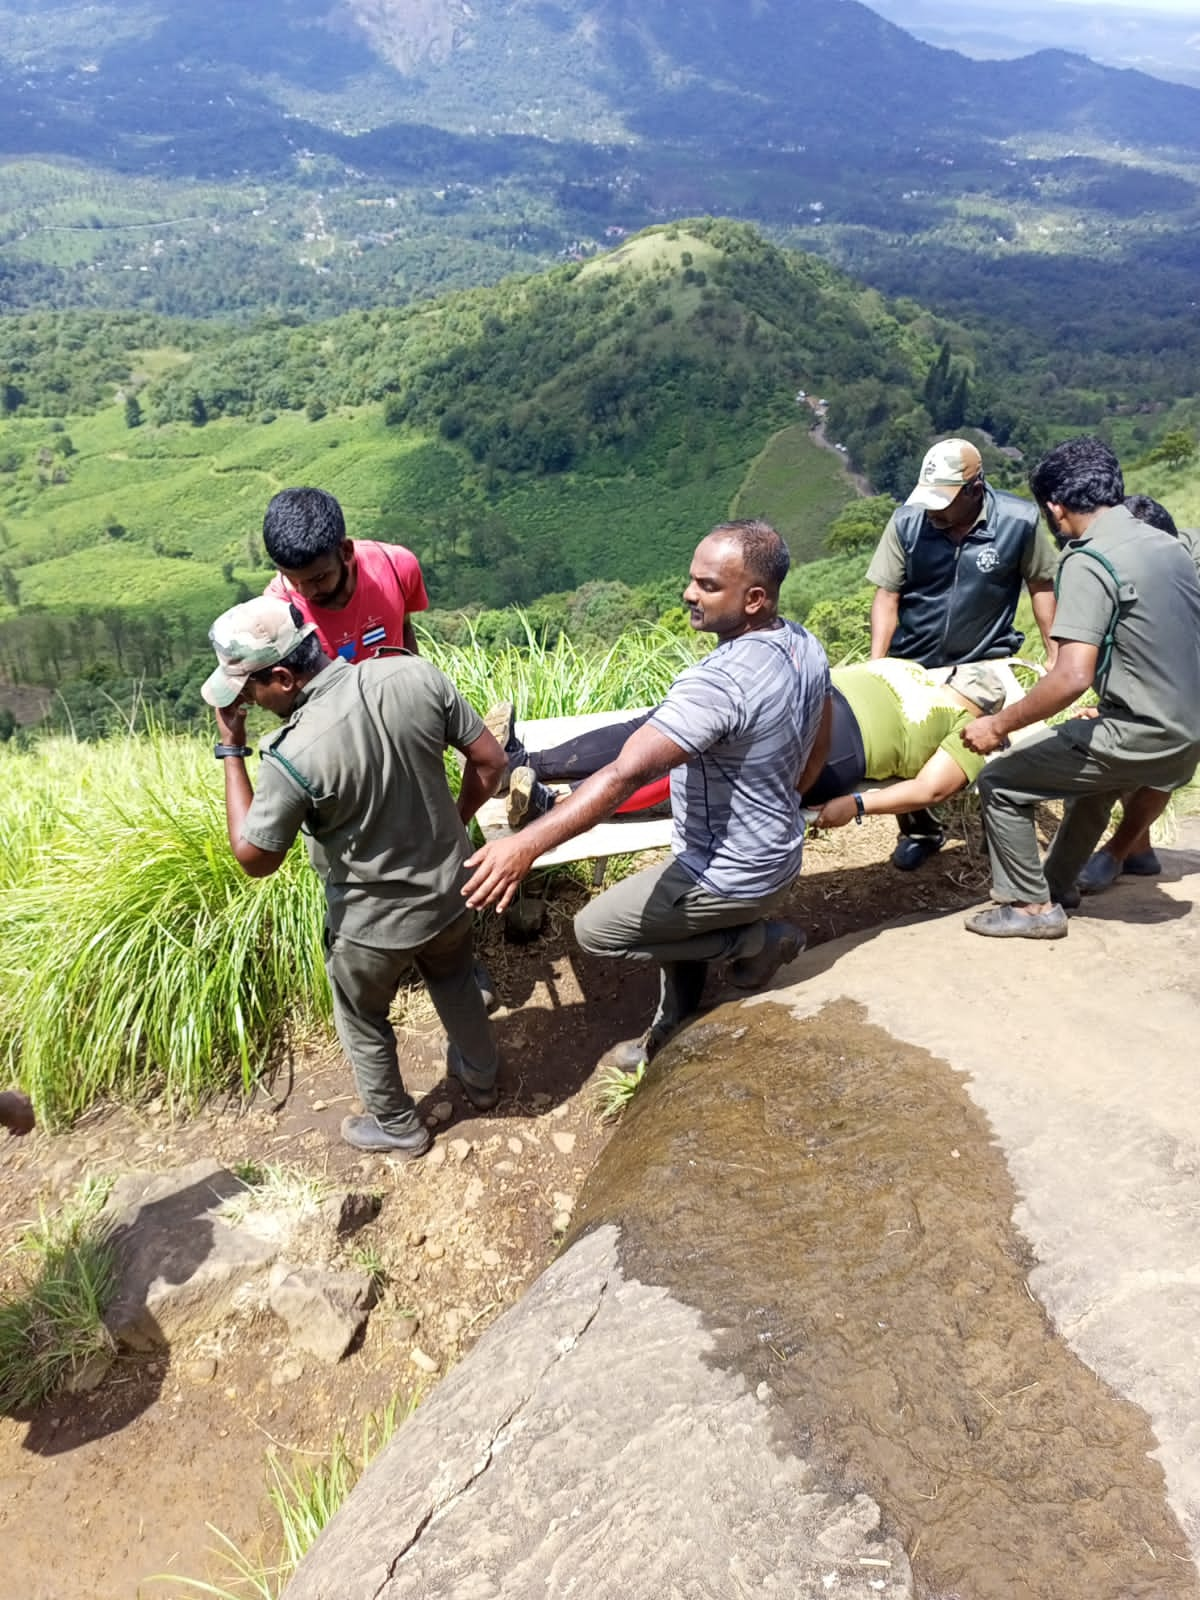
(1041, 598)
(239, 796)
(885, 619)
(1053, 693)
(596, 797)
(478, 785)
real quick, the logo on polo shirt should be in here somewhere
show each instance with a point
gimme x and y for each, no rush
(987, 559)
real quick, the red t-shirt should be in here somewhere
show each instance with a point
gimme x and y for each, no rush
(389, 586)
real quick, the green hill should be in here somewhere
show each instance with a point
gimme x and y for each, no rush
(577, 428)
(582, 425)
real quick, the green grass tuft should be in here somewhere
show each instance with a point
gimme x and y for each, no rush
(614, 1089)
(54, 1326)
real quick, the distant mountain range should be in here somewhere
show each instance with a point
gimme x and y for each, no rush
(315, 156)
(165, 82)
(1164, 43)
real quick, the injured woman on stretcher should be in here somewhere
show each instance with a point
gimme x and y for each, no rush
(891, 722)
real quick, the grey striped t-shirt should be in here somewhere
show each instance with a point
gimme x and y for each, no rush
(747, 715)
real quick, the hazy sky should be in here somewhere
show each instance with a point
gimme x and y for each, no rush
(1177, 8)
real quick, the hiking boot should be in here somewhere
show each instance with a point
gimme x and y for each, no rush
(913, 848)
(500, 721)
(528, 797)
(630, 1054)
(783, 943)
(1006, 922)
(1101, 872)
(482, 1097)
(1145, 864)
(368, 1133)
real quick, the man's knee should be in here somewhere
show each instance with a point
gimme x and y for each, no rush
(595, 933)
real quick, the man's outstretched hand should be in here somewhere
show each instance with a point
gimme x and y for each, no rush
(497, 870)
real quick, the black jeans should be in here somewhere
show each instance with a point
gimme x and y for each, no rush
(578, 758)
(846, 764)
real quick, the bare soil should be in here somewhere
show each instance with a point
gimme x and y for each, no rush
(101, 1492)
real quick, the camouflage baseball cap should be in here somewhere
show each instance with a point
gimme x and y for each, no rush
(259, 633)
(980, 684)
(946, 467)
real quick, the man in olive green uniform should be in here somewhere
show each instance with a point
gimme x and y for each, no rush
(358, 767)
(1127, 623)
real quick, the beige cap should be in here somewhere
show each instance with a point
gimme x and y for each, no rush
(946, 467)
(980, 684)
(258, 633)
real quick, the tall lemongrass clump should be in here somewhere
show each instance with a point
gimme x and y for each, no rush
(565, 679)
(135, 955)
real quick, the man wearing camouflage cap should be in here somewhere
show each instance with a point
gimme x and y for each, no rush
(358, 767)
(948, 572)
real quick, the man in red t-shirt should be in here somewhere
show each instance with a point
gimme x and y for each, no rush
(359, 594)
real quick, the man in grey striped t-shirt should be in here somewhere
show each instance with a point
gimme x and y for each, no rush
(738, 734)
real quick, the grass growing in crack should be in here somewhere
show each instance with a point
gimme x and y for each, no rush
(303, 1499)
(54, 1325)
(614, 1088)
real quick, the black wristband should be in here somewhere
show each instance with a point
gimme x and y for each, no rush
(859, 809)
(223, 750)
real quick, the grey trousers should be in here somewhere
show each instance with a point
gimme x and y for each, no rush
(1049, 767)
(663, 915)
(364, 982)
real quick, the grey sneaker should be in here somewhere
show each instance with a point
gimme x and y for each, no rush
(527, 797)
(783, 943)
(367, 1133)
(1006, 922)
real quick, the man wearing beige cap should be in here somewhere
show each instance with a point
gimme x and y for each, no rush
(358, 767)
(948, 573)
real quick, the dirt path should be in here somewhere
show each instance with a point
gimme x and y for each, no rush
(116, 1486)
(861, 483)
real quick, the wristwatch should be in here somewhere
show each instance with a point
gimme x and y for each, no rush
(223, 750)
(859, 808)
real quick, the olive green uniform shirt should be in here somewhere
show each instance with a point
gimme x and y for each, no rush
(358, 769)
(1150, 695)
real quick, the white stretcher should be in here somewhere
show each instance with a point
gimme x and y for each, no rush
(634, 834)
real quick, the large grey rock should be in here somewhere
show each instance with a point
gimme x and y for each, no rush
(809, 1308)
(324, 1310)
(1083, 1056)
(589, 1446)
(180, 1269)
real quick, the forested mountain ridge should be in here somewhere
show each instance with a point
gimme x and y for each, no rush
(313, 155)
(563, 435)
(714, 70)
(577, 426)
